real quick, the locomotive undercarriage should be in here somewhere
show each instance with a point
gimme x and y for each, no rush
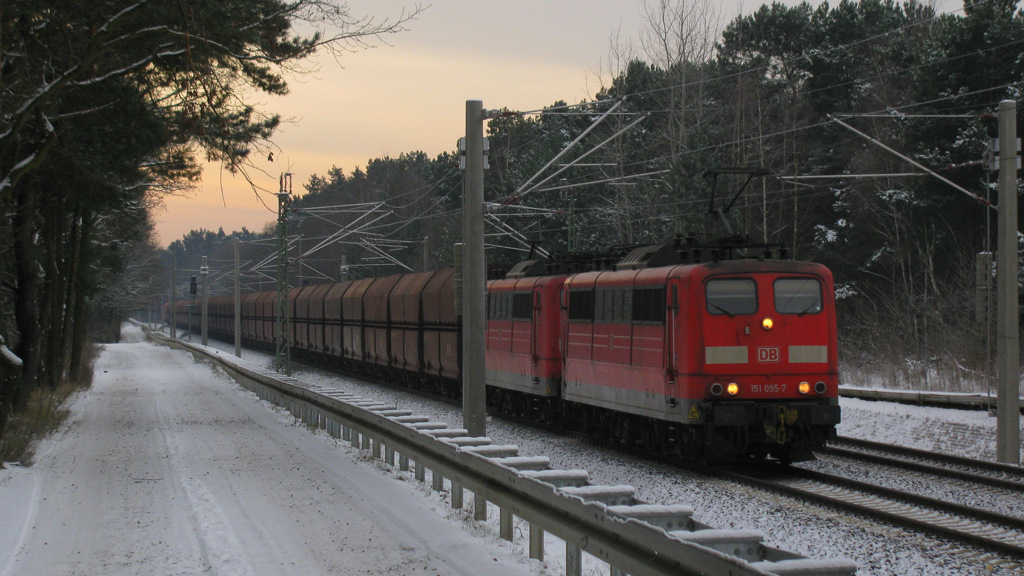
(786, 432)
(733, 432)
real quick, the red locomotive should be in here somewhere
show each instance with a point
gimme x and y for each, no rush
(678, 348)
(714, 360)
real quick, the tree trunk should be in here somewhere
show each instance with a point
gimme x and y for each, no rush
(56, 282)
(25, 296)
(70, 297)
(78, 335)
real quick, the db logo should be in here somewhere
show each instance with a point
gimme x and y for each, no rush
(767, 354)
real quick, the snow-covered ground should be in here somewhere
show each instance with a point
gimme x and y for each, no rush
(168, 467)
(879, 550)
(265, 496)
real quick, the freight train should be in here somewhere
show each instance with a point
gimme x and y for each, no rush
(683, 349)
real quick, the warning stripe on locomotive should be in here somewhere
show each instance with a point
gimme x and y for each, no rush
(726, 355)
(741, 354)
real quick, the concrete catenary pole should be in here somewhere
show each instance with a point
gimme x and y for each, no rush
(204, 272)
(238, 305)
(474, 276)
(1007, 269)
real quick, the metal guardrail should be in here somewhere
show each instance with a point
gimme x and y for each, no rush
(607, 522)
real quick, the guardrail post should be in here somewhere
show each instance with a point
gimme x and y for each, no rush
(353, 436)
(365, 444)
(403, 462)
(536, 542)
(389, 455)
(456, 495)
(505, 524)
(479, 507)
(438, 480)
(376, 448)
(421, 474)
(573, 560)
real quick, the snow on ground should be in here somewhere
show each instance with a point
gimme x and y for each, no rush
(210, 506)
(879, 550)
(167, 467)
(969, 433)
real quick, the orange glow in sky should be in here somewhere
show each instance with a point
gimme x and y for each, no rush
(411, 95)
(392, 99)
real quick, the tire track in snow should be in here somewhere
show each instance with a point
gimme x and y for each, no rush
(221, 550)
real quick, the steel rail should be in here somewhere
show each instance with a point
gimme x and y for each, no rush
(987, 465)
(941, 471)
(951, 527)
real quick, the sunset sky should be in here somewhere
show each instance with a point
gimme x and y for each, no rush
(411, 95)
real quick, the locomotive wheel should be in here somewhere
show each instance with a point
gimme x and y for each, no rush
(692, 444)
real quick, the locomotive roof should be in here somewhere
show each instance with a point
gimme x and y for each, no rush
(686, 250)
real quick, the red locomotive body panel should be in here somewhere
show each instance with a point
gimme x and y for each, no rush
(675, 345)
(780, 332)
(615, 356)
(523, 350)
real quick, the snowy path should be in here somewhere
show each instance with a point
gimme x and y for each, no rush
(169, 468)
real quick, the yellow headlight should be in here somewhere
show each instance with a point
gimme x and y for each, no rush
(733, 389)
(804, 387)
(767, 323)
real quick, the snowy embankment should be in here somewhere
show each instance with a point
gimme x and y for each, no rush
(167, 467)
(270, 497)
(879, 550)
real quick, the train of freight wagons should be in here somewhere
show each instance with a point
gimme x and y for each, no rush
(692, 350)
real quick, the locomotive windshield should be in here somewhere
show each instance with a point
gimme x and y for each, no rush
(732, 296)
(798, 296)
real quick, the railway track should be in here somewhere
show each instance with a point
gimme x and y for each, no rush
(998, 537)
(998, 534)
(995, 474)
(968, 526)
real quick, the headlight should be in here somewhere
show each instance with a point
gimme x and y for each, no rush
(804, 387)
(820, 387)
(767, 323)
(733, 389)
(716, 389)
